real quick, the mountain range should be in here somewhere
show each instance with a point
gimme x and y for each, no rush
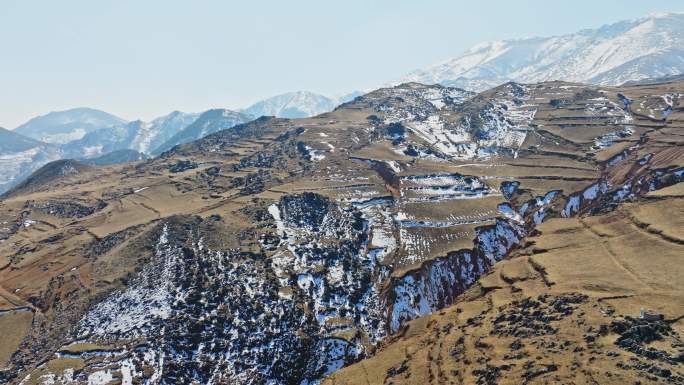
(86, 133)
(631, 50)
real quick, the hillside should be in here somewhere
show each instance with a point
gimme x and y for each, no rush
(416, 234)
(630, 50)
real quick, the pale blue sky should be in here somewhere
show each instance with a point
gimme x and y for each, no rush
(142, 59)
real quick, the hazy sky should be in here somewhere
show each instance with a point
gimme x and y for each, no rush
(142, 59)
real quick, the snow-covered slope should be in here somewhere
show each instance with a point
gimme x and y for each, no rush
(160, 130)
(20, 156)
(300, 104)
(649, 47)
(104, 140)
(207, 123)
(64, 126)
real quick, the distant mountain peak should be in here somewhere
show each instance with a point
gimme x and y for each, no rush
(648, 47)
(213, 120)
(296, 104)
(60, 127)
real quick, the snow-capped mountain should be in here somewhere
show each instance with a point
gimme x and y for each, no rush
(158, 131)
(20, 156)
(649, 47)
(60, 127)
(299, 104)
(140, 136)
(104, 140)
(207, 123)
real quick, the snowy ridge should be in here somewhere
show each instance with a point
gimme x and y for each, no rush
(649, 47)
(17, 163)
